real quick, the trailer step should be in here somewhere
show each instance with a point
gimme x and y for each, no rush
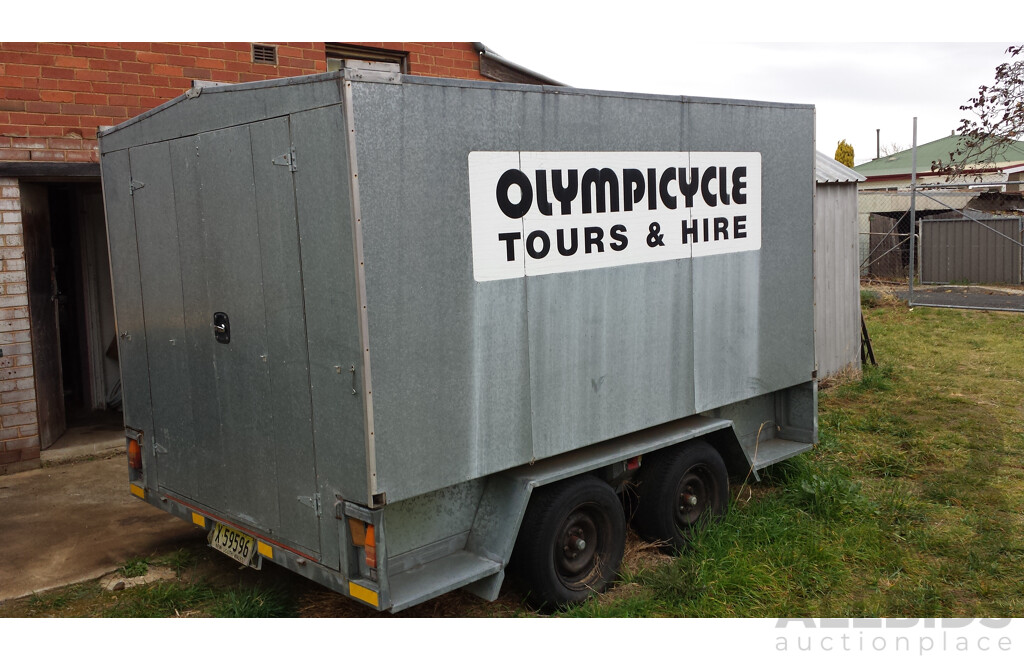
(777, 449)
(437, 577)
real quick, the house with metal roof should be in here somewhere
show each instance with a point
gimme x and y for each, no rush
(894, 171)
(885, 199)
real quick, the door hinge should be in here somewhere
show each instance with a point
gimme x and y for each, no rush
(311, 502)
(287, 160)
(135, 185)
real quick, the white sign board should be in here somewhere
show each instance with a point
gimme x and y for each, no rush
(540, 212)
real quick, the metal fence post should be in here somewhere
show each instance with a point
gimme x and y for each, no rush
(913, 214)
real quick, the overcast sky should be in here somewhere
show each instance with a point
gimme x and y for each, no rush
(856, 88)
(799, 51)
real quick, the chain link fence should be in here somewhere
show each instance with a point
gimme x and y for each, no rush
(969, 241)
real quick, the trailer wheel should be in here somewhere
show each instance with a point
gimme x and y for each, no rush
(680, 489)
(571, 541)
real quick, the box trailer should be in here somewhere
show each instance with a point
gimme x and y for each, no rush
(391, 332)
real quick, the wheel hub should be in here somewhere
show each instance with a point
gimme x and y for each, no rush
(693, 496)
(575, 556)
(576, 543)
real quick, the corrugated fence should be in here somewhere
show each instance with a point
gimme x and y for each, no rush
(980, 248)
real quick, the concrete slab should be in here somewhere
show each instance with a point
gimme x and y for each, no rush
(77, 521)
(79, 443)
(97, 434)
(981, 297)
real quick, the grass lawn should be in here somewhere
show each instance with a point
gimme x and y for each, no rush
(910, 506)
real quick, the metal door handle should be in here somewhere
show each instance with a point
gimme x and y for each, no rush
(222, 327)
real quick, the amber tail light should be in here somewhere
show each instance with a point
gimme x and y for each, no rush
(134, 454)
(370, 547)
(363, 536)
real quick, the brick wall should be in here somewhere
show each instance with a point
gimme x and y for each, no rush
(54, 96)
(19, 431)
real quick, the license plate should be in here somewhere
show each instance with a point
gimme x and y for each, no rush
(234, 544)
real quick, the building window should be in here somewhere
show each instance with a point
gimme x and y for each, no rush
(263, 54)
(338, 53)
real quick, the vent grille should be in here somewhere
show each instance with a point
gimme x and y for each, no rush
(264, 54)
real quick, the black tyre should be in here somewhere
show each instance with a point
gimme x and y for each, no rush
(571, 541)
(679, 489)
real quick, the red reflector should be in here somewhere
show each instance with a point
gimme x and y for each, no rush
(633, 463)
(134, 454)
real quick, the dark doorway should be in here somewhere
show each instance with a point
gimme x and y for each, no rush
(71, 307)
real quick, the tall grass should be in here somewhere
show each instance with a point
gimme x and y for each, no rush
(253, 602)
(178, 599)
(162, 599)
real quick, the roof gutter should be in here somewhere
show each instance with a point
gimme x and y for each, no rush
(484, 51)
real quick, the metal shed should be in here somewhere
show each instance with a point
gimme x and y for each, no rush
(836, 272)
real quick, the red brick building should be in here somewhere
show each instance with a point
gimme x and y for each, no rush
(58, 363)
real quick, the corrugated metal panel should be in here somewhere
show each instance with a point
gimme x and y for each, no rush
(160, 274)
(324, 210)
(217, 232)
(124, 265)
(287, 357)
(836, 279)
(470, 378)
(983, 250)
(450, 363)
(191, 262)
(752, 311)
(830, 170)
(232, 283)
(222, 107)
(601, 361)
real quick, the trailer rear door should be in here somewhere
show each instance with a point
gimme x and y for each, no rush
(225, 326)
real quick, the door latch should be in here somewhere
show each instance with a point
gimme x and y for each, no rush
(222, 327)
